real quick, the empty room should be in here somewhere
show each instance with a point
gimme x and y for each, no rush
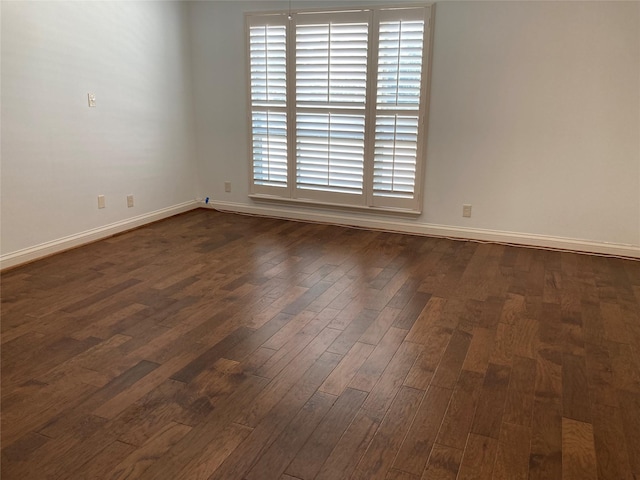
(310, 239)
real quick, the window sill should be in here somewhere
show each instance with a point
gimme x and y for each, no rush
(340, 206)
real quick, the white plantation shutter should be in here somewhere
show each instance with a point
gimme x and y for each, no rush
(268, 85)
(395, 156)
(338, 105)
(331, 82)
(331, 63)
(398, 107)
(268, 53)
(269, 148)
(399, 64)
(330, 152)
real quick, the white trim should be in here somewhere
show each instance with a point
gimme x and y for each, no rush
(371, 15)
(55, 246)
(477, 234)
(342, 206)
(336, 9)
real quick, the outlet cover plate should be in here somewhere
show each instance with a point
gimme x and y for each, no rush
(466, 210)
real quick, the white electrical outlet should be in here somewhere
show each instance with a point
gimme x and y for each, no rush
(227, 187)
(101, 201)
(91, 97)
(129, 201)
(466, 210)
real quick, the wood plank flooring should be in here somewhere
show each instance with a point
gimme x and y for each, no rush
(218, 346)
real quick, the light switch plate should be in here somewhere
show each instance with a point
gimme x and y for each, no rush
(92, 99)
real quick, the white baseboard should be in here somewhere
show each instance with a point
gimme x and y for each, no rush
(45, 249)
(55, 246)
(514, 238)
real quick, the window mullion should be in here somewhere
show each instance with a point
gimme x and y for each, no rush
(425, 87)
(291, 107)
(370, 108)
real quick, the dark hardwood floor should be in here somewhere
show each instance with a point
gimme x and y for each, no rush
(217, 346)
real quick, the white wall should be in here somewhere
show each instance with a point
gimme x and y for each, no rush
(534, 118)
(58, 155)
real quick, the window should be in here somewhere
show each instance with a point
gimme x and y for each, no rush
(338, 106)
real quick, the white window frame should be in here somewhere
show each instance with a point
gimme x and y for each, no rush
(368, 201)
